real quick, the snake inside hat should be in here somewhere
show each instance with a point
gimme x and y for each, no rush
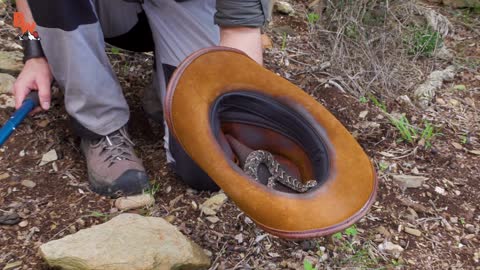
(277, 153)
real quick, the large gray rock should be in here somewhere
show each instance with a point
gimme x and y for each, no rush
(11, 62)
(128, 241)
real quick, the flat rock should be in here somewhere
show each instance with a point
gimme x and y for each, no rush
(213, 204)
(409, 181)
(128, 241)
(11, 62)
(48, 157)
(391, 248)
(6, 83)
(134, 202)
(284, 8)
(28, 183)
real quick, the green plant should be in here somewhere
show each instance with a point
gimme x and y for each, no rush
(154, 188)
(462, 221)
(337, 235)
(313, 18)
(428, 134)
(308, 265)
(377, 103)
(464, 139)
(363, 99)
(383, 166)
(284, 41)
(408, 132)
(351, 231)
(115, 50)
(423, 41)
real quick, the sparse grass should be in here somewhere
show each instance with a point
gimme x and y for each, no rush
(312, 18)
(408, 133)
(154, 188)
(429, 132)
(423, 41)
(97, 214)
(284, 41)
(378, 103)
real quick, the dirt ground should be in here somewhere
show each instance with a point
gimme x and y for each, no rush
(444, 209)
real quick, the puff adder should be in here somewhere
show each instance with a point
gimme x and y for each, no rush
(255, 158)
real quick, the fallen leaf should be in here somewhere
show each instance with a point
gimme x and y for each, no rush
(266, 42)
(412, 231)
(475, 152)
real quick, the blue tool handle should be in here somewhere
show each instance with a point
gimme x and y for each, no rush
(30, 102)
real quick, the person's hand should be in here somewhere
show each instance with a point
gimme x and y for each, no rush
(246, 39)
(35, 76)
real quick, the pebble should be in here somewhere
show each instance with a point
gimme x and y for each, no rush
(4, 176)
(213, 204)
(134, 202)
(170, 218)
(213, 219)
(470, 228)
(13, 265)
(412, 231)
(49, 157)
(284, 8)
(391, 248)
(23, 224)
(28, 183)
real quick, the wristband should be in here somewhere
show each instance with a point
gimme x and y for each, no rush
(32, 49)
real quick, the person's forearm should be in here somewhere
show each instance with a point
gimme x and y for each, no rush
(246, 39)
(22, 6)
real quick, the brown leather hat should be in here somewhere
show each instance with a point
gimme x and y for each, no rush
(221, 105)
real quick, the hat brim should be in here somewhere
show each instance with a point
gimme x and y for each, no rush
(347, 192)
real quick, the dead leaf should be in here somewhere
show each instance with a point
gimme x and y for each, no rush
(4, 176)
(266, 42)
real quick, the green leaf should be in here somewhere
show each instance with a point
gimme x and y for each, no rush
(307, 265)
(351, 231)
(337, 235)
(460, 87)
(115, 50)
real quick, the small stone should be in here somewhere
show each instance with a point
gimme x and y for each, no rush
(409, 181)
(391, 248)
(13, 265)
(454, 220)
(49, 157)
(6, 83)
(239, 238)
(6, 101)
(470, 228)
(22, 153)
(412, 231)
(457, 146)
(213, 219)
(454, 102)
(283, 8)
(28, 183)
(441, 101)
(213, 204)
(4, 176)
(23, 224)
(134, 202)
(363, 114)
(440, 190)
(127, 241)
(170, 218)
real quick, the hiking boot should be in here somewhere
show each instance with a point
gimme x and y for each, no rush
(113, 167)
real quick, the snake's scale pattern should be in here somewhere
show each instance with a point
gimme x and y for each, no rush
(255, 158)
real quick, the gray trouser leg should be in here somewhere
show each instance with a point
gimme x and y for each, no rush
(93, 96)
(179, 29)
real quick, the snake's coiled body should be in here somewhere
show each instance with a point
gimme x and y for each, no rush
(255, 158)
